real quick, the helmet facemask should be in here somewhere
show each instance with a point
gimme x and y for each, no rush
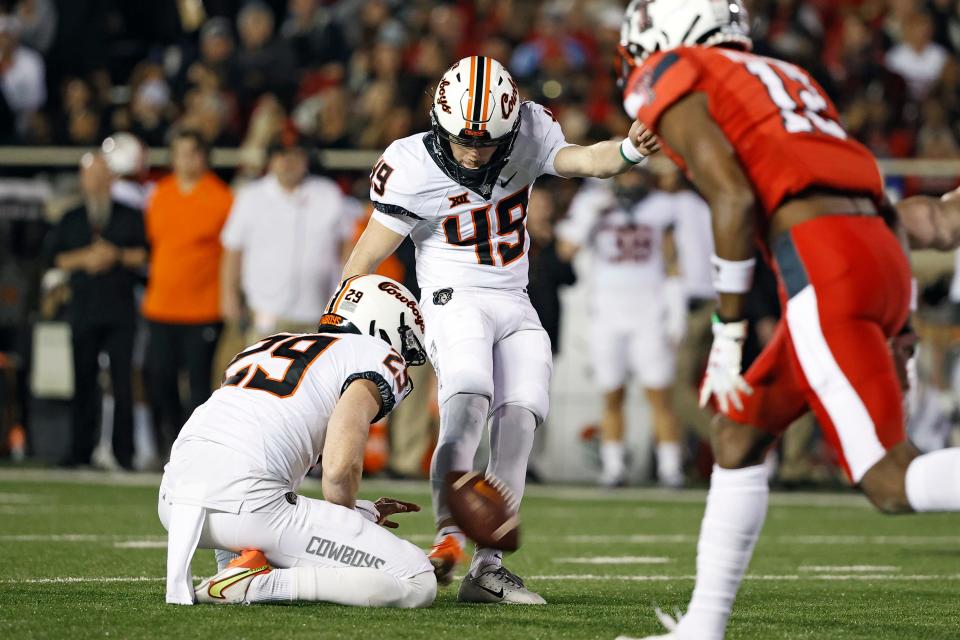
(410, 348)
(379, 307)
(483, 177)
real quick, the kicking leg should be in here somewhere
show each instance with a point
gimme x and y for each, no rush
(459, 338)
(511, 440)
(462, 418)
(522, 364)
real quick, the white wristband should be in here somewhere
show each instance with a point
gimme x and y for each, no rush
(732, 276)
(914, 294)
(630, 153)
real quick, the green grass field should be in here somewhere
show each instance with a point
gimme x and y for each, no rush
(85, 558)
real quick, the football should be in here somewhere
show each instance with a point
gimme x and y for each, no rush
(484, 508)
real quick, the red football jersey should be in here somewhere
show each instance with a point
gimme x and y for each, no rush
(781, 124)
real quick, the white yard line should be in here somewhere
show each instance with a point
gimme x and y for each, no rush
(614, 560)
(680, 538)
(419, 537)
(800, 540)
(74, 537)
(140, 544)
(854, 568)
(876, 540)
(61, 509)
(18, 498)
(757, 577)
(75, 580)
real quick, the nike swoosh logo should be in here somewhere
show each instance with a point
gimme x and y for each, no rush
(498, 594)
(504, 183)
(216, 589)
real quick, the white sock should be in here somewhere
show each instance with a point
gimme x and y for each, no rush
(736, 509)
(356, 586)
(933, 481)
(511, 439)
(612, 458)
(451, 531)
(224, 558)
(462, 419)
(270, 587)
(670, 463)
(484, 558)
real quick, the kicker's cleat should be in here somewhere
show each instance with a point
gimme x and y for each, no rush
(230, 585)
(495, 584)
(444, 556)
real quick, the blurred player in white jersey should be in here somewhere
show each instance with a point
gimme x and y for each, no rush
(460, 191)
(638, 310)
(287, 403)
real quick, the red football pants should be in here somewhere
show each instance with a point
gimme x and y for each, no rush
(845, 289)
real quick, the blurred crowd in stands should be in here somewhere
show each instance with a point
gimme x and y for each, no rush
(357, 73)
(281, 79)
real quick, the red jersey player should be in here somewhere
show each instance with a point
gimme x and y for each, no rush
(762, 143)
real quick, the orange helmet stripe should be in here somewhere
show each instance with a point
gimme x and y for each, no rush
(471, 94)
(486, 94)
(340, 294)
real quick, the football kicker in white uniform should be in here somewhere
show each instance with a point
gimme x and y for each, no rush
(287, 403)
(637, 309)
(461, 191)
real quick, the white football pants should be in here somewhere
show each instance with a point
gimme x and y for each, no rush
(316, 533)
(489, 342)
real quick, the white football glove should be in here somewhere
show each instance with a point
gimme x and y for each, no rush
(723, 378)
(368, 510)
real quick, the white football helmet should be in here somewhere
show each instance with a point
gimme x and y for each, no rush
(476, 104)
(660, 25)
(125, 154)
(381, 307)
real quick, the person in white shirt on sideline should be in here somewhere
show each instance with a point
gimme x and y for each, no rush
(282, 245)
(22, 73)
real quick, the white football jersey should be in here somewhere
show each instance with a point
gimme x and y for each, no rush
(462, 238)
(625, 244)
(270, 414)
